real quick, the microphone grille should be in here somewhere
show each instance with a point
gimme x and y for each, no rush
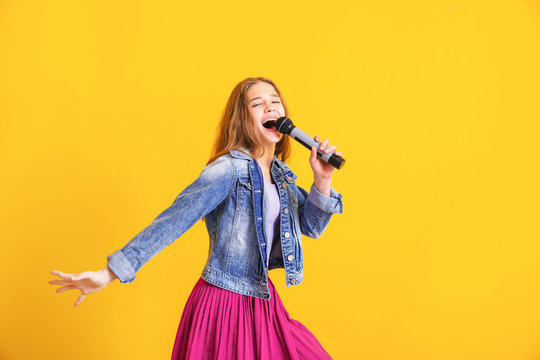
(284, 125)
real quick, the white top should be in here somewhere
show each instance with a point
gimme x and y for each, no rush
(272, 206)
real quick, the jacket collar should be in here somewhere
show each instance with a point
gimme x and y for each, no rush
(243, 153)
(282, 166)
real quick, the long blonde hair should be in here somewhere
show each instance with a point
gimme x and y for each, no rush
(236, 130)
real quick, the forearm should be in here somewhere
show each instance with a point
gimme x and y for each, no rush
(192, 204)
(317, 209)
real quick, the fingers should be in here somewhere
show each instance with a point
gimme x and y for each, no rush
(330, 149)
(71, 282)
(324, 146)
(313, 155)
(65, 288)
(68, 277)
(65, 278)
(61, 274)
(79, 300)
(60, 282)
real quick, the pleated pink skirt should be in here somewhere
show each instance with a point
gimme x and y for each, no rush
(218, 324)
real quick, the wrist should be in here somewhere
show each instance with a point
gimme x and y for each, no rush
(108, 274)
(323, 185)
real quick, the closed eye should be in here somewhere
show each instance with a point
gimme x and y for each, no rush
(273, 102)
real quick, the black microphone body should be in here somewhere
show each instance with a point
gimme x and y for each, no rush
(285, 126)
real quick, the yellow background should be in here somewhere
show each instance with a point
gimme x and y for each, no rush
(108, 110)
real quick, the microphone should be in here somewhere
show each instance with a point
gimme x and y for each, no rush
(285, 126)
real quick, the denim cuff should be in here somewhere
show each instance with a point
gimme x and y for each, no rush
(331, 204)
(120, 265)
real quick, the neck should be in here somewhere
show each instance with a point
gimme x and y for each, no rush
(266, 160)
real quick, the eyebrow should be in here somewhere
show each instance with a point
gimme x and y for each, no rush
(258, 97)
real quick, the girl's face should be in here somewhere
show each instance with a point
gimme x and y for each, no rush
(265, 105)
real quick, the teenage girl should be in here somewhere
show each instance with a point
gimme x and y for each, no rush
(255, 214)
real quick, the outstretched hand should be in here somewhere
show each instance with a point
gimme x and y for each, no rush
(86, 282)
(322, 171)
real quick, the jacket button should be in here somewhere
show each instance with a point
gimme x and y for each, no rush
(284, 185)
(287, 235)
(285, 211)
(293, 281)
(289, 178)
(290, 258)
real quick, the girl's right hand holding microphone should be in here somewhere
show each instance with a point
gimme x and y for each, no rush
(87, 282)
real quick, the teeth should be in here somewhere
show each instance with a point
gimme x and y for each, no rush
(272, 122)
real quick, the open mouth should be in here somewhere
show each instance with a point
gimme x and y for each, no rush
(270, 124)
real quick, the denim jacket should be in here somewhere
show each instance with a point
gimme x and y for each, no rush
(229, 195)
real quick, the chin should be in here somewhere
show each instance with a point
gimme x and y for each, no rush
(274, 140)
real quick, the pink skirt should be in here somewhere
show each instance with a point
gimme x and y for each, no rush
(218, 324)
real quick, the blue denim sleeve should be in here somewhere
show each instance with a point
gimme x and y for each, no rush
(193, 203)
(316, 209)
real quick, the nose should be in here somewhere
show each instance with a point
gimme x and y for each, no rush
(271, 108)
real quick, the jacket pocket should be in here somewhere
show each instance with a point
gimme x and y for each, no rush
(244, 193)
